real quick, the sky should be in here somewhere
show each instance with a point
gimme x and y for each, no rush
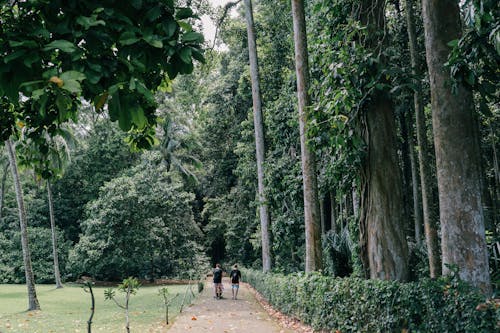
(209, 28)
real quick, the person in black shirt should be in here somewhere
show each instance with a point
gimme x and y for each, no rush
(218, 281)
(235, 276)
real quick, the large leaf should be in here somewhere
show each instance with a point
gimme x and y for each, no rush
(193, 36)
(25, 43)
(72, 75)
(169, 27)
(128, 38)
(87, 22)
(184, 13)
(61, 44)
(185, 55)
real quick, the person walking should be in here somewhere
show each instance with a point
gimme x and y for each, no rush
(218, 281)
(235, 276)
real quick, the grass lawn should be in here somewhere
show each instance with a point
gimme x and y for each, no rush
(68, 309)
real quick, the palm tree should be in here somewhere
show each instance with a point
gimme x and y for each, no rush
(310, 187)
(259, 138)
(33, 303)
(56, 158)
(174, 146)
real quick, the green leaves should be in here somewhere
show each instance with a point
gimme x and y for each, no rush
(63, 45)
(128, 38)
(71, 81)
(193, 36)
(98, 48)
(183, 13)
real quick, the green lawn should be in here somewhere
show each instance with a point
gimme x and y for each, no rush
(68, 309)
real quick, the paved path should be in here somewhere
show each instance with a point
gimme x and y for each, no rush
(226, 315)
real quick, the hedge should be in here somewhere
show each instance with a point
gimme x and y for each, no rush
(357, 305)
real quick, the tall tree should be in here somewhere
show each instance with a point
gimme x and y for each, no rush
(457, 152)
(430, 226)
(33, 303)
(310, 186)
(259, 137)
(57, 273)
(2, 188)
(383, 243)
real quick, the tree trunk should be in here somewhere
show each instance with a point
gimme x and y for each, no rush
(57, 274)
(386, 251)
(259, 138)
(30, 280)
(310, 187)
(417, 212)
(430, 227)
(457, 152)
(2, 189)
(382, 239)
(406, 148)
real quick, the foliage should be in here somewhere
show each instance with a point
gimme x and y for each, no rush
(337, 253)
(141, 224)
(101, 156)
(356, 305)
(11, 257)
(475, 57)
(56, 53)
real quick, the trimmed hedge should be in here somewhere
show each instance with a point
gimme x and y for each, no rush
(357, 305)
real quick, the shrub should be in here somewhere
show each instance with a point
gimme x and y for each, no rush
(357, 305)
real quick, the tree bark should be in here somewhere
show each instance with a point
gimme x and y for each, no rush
(259, 138)
(457, 152)
(310, 187)
(430, 225)
(382, 239)
(57, 274)
(33, 303)
(417, 211)
(2, 189)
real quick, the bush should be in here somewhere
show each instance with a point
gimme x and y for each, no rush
(357, 305)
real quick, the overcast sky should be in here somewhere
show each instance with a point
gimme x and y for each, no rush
(209, 28)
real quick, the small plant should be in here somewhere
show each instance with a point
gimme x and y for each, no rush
(87, 287)
(201, 285)
(166, 300)
(129, 287)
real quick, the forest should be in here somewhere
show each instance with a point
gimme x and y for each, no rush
(344, 152)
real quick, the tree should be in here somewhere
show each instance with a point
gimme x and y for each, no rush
(57, 52)
(310, 187)
(457, 152)
(430, 227)
(33, 303)
(382, 235)
(259, 137)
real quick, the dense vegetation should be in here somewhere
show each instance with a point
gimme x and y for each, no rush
(390, 172)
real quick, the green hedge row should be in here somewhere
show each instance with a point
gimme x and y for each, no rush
(357, 305)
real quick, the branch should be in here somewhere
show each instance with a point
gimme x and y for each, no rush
(227, 8)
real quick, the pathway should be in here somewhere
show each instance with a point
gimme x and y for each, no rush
(225, 315)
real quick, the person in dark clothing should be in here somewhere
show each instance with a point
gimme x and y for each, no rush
(218, 281)
(235, 276)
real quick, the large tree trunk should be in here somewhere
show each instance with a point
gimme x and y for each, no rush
(382, 239)
(382, 231)
(417, 212)
(2, 189)
(57, 274)
(430, 227)
(457, 152)
(259, 138)
(310, 187)
(30, 280)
